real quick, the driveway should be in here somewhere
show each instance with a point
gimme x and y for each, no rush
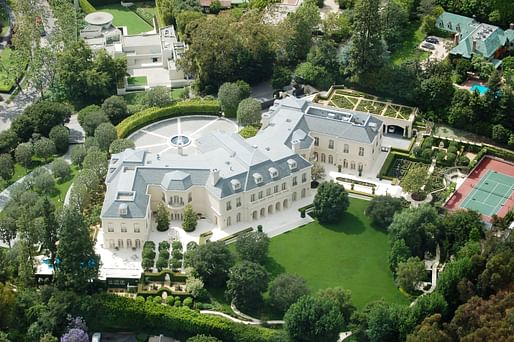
(440, 51)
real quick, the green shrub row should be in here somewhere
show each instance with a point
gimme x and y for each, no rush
(174, 277)
(111, 313)
(478, 157)
(150, 115)
(87, 7)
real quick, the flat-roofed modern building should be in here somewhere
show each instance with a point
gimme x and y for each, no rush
(230, 180)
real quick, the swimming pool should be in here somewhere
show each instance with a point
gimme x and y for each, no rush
(482, 89)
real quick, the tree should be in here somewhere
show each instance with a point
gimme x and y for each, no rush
(96, 161)
(429, 330)
(229, 95)
(381, 210)
(324, 54)
(410, 273)
(343, 299)
(313, 319)
(6, 166)
(45, 114)
(158, 96)
(162, 218)
(253, 246)
(395, 18)
(7, 304)
(44, 148)
(42, 181)
(115, 107)
(386, 322)
(8, 229)
(281, 78)
(212, 262)
(367, 49)
(417, 227)
(312, 74)
(286, 289)
(429, 304)
(249, 112)
(91, 120)
(186, 17)
(317, 172)
(78, 263)
(500, 134)
(194, 286)
(330, 202)
(60, 135)
(105, 134)
(337, 26)
(60, 169)
(8, 140)
(245, 284)
(75, 335)
(23, 154)
(399, 253)
(190, 219)
(120, 145)
(414, 180)
(48, 227)
(458, 227)
(78, 153)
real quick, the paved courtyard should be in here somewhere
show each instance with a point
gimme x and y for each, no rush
(156, 138)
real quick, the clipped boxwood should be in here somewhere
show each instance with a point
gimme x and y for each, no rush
(150, 115)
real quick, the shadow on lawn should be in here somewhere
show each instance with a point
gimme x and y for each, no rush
(349, 224)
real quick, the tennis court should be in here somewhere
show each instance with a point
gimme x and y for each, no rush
(490, 193)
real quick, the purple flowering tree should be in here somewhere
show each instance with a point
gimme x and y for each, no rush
(75, 335)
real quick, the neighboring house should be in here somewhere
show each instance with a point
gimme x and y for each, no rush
(230, 180)
(152, 57)
(474, 38)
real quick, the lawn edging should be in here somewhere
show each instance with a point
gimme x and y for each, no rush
(151, 115)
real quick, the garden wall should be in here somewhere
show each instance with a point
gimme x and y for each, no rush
(150, 115)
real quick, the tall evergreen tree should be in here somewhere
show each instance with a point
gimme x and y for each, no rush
(366, 53)
(77, 262)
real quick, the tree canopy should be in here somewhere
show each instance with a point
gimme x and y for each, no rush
(330, 202)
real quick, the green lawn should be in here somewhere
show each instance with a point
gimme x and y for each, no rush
(62, 188)
(125, 17)
(5, 55)
(351, 254)
(137, 81)
(409, 50)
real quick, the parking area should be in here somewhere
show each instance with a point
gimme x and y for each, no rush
(396, 141)
(437, 46)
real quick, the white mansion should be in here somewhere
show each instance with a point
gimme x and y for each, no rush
(231, 180)
(152, 55)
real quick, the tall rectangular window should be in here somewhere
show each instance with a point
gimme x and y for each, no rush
(275, 189)
(110, 228)
(136, 228)
(346, 148)
(361, 151)
(283, 186)
(295, 181)
(268, 191)
(316, 141)
(304, 178)
(252, 198)
(261, 194)
(229, 205)
(123, 228)
(331, 144)
(238, 202)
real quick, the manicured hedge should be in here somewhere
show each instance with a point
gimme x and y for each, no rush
(114, 313)
(150, 115)
(87, 7)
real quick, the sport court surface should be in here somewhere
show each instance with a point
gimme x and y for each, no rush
(489, 189)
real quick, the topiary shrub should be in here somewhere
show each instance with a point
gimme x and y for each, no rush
(463, 161)
(177, 302)
(451, 157)
(188, 301)
(191, 245)
(302, 213)
(164, 245)
(140, 299)
(427, 153)
(259, 228)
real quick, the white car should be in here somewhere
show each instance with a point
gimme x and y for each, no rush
(96, 337)
(391, 129)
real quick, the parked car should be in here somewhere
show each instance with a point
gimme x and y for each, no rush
(428, 46)
(432, 40)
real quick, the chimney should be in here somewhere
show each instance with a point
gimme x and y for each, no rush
(474, 44)
(265, 119)
(215, 175)
(296, 145)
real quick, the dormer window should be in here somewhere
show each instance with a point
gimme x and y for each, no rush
(292, 164)
(273, 172)
(236, 185)
(123, 209)
(257, 177)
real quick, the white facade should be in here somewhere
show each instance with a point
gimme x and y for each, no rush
(229, 180)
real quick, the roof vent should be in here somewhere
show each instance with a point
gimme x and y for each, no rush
(257, 177)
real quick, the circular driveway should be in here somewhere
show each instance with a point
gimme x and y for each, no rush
(165, 137)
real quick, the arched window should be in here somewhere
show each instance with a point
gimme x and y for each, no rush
(323, 157)
(270, 209)
(277, 206)
(138, 243)
(285, 204)
(111, 243)
(315, 156)
(120, 243)
(254, 215)
(330, 159)
(263, 212)
(129, 243)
